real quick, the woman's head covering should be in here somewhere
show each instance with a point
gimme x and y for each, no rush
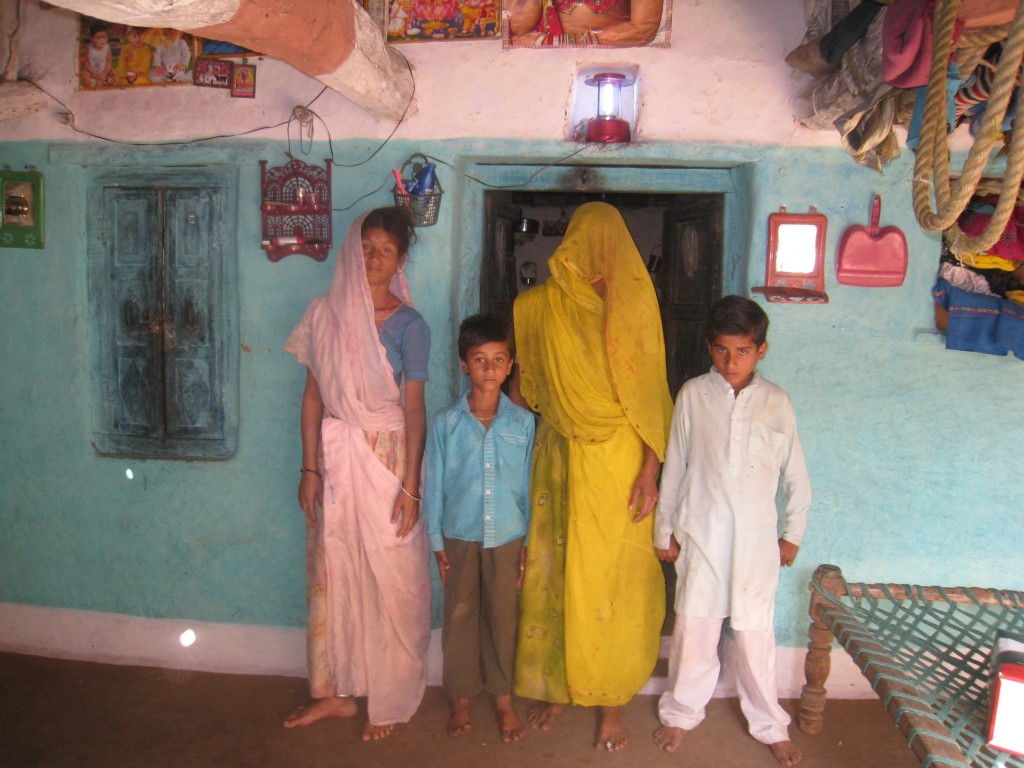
(597, 246)
(338, 340)
(349, 296)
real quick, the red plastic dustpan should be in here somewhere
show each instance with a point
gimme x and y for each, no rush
(872, 257)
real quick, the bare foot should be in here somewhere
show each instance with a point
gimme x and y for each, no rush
(331, 706)
(511, 727)
(611, 735)
(460, 722)
(373, 732)
(544, 715)
(786, 753)
(669, 738)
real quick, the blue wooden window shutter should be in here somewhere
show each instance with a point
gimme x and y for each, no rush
(163, 296)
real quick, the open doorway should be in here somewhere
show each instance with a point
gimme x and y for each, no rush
(679, 236)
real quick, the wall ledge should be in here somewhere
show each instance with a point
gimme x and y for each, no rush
(250, 649)
(210, 152)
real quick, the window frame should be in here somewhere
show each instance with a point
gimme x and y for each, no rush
(222, 181)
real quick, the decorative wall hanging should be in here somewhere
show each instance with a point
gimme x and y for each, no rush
(796, 258)
(296, 209)
(21, 221)
(122, 56)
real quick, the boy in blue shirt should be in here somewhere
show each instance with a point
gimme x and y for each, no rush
(476, 506)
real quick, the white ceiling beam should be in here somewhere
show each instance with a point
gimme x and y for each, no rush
(334, 41)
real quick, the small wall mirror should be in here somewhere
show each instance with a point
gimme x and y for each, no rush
(796, 258)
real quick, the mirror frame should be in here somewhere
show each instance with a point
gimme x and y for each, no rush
(795, 287)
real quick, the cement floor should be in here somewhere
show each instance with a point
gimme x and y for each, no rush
(59, 714)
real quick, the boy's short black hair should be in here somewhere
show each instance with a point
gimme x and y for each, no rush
(737, 316)
(476, 330)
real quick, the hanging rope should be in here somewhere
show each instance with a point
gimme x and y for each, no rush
(931, 168)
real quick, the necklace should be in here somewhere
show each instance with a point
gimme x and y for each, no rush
(484, 415)
(388, 311)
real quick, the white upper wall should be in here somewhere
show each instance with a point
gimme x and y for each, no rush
(723, 80)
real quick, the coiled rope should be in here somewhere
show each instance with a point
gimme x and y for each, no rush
(931, 168)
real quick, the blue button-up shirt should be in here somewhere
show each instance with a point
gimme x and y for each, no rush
(478, 480)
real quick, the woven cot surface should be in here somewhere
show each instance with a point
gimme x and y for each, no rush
(942, 643)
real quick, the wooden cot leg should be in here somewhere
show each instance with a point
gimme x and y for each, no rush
(817, 665)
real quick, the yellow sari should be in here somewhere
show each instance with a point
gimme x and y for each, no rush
(593, 598)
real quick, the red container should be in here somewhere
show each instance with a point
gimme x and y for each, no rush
(1006, 711)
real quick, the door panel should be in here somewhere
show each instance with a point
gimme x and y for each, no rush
(688, 283)
(191, 222)
(137, 348)
(498, 280)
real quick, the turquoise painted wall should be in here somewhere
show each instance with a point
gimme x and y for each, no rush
(910, 446)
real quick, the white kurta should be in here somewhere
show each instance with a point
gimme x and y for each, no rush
(725, 457)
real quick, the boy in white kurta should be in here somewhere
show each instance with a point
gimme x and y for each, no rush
(733, 436)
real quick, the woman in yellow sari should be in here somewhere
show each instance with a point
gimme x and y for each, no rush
(592, 363)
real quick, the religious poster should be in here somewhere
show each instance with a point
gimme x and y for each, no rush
(122, 56)
(409, 21)
(211, 72)
(586, 23)
(243, 81)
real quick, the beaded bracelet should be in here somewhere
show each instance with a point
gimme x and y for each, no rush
(414, 498)
(307, 469)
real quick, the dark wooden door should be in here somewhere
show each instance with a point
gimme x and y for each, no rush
(688, 278)
(498, 281)
(688, 281)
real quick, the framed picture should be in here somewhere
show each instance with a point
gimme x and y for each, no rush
(243, 81)
(122, 56)
(598, 24)
(408, 21)
(21, 215)
(222, 49)
(213, 73)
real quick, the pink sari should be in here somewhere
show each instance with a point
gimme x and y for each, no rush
(368, 591)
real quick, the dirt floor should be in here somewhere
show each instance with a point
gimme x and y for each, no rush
(63, 713)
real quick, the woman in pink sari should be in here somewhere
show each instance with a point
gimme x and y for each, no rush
(363, 429)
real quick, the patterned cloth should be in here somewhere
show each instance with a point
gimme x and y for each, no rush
(979, 323)
(597, 6)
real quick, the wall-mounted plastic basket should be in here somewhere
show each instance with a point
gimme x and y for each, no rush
(424, 206)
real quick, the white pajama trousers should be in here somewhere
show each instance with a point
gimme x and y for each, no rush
(693, 669)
